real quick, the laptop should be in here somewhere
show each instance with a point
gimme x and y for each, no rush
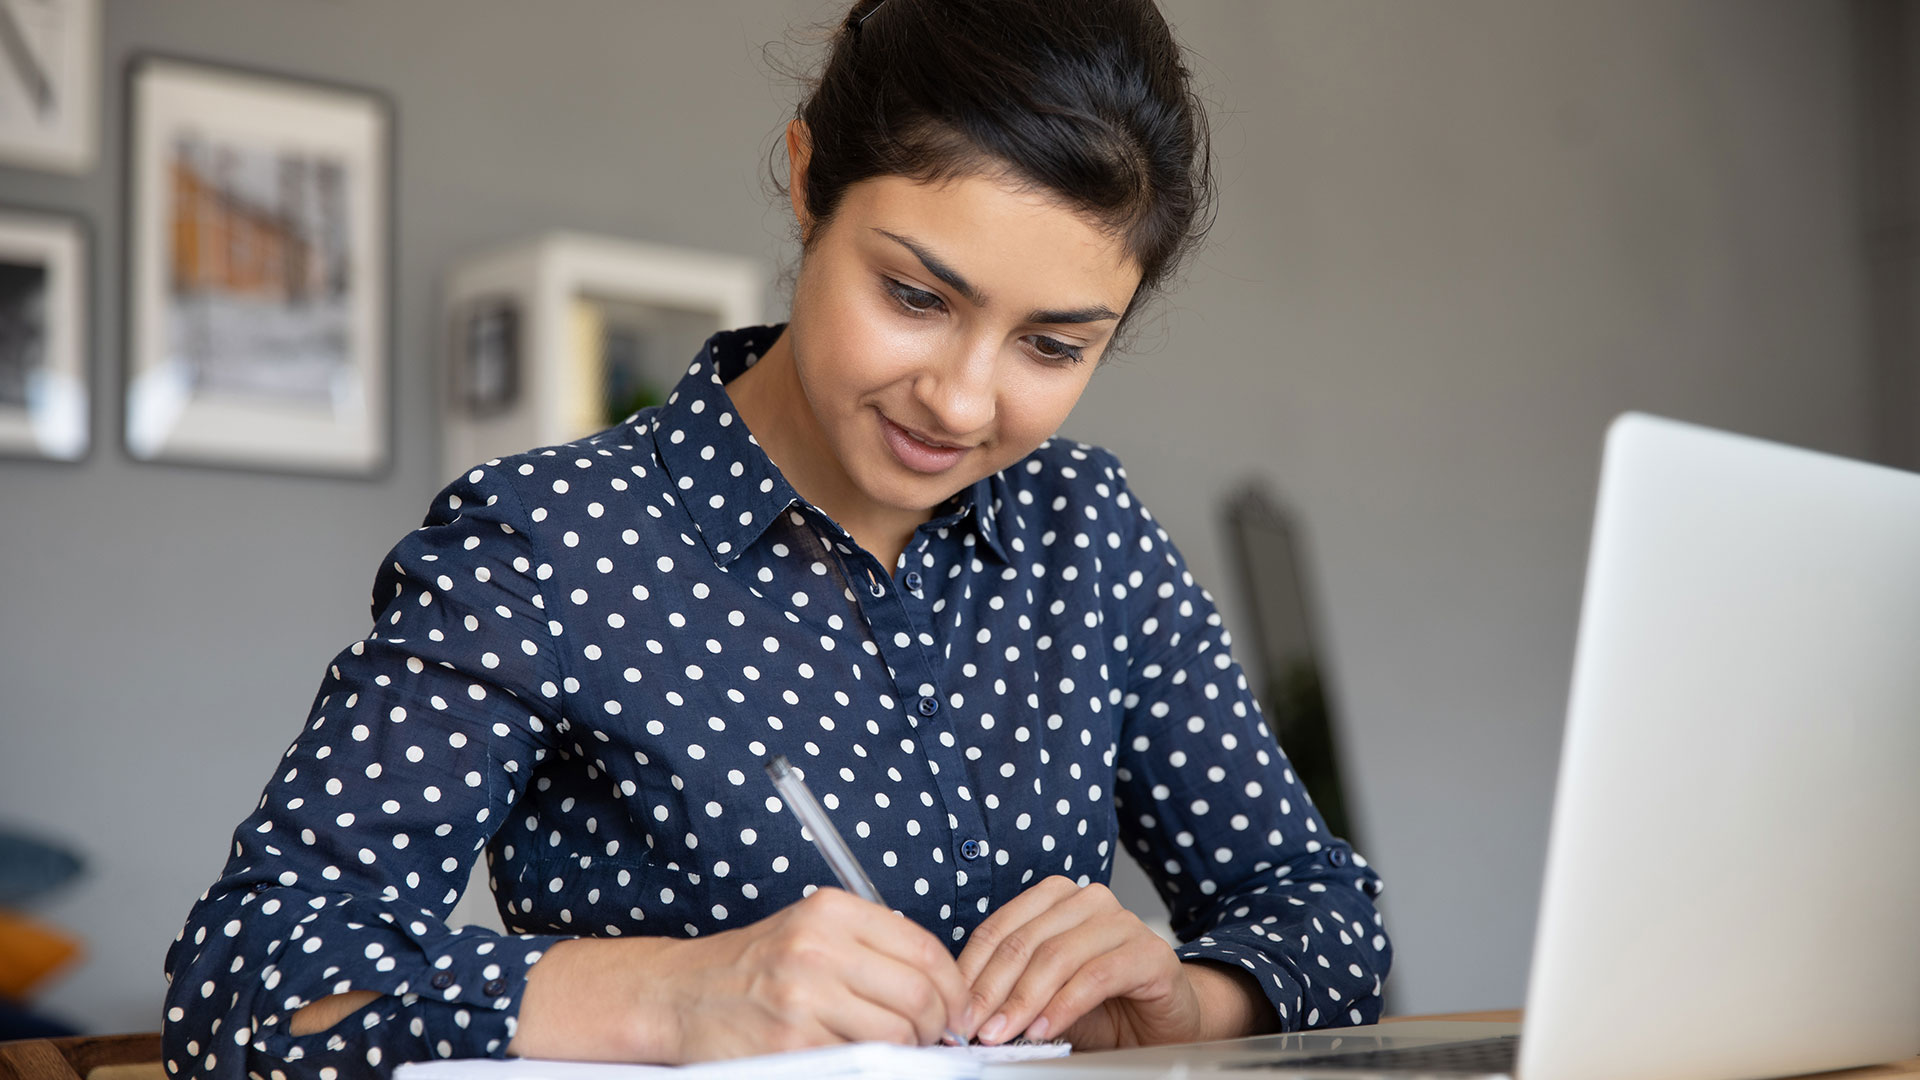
(1733, 870)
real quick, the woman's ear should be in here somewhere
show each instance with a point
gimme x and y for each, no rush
(799, 152)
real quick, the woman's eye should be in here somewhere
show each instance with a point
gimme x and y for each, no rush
(1052, 349)
(911, 298)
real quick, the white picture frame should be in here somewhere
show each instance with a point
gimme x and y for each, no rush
(258, 270)
(44, 399)
(49, 84)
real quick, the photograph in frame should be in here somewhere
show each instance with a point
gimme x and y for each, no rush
(49, 83)
(486, 364)
(257, 269)
(44, 404)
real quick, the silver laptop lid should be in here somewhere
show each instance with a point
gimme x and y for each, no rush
(1733, 874)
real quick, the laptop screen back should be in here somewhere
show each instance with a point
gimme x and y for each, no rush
(1733, 876)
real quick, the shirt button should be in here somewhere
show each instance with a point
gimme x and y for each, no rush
(441, 980)
(877, 589)
(495, 987)
(972, 849)
(913, 581)
(1337, 856)
(929, 705)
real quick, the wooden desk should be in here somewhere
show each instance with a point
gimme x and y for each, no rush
(1909, 1067)
(103, 1057)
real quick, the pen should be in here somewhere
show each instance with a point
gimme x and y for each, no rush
(793, 791)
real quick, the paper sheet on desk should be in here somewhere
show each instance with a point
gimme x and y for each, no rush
(857, 1061)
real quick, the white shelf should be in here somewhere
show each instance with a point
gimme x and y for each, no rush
(560, 378)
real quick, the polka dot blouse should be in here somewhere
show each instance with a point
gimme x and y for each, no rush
(582, 658)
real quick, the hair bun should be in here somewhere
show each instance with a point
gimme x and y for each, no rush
(1087, 100)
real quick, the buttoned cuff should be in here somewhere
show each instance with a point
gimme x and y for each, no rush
(481, 969)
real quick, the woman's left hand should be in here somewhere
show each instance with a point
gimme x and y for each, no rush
(1067, 961)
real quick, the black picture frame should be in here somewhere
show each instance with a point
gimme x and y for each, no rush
(46, 401)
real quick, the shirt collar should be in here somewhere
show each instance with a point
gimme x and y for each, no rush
(731, 489)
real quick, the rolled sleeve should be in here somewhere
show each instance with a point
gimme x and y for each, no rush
(418, 744)
(1211, 809)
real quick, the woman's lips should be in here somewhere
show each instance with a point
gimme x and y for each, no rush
(916, 454)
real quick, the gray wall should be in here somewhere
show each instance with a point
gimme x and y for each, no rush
(1454, 241)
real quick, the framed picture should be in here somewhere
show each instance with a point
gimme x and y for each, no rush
(258, 275)
(486, 362)
(43, 336)
(49, 75)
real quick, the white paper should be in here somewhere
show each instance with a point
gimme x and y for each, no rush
(854, 1060)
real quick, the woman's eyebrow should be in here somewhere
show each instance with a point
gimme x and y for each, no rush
(1096, 313)
(938, 268)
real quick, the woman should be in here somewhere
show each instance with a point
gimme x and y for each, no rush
(852, 540)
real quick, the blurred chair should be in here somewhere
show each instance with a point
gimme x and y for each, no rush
(31, 952)
(31, 868)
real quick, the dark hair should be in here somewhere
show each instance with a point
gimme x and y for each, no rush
(1086, 100)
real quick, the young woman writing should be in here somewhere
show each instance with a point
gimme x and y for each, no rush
(853, 540)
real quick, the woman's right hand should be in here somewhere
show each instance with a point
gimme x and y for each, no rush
(831, 968)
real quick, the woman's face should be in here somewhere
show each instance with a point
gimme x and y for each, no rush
(943, 331)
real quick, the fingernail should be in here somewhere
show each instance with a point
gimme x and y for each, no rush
(966, 1020)
(992, 1030)
(1038, 1030)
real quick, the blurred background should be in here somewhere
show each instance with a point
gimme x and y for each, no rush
(1455, 239)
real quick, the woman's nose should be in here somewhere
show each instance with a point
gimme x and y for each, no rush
(959, 390)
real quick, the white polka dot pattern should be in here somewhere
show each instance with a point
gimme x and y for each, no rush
(582, 657)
